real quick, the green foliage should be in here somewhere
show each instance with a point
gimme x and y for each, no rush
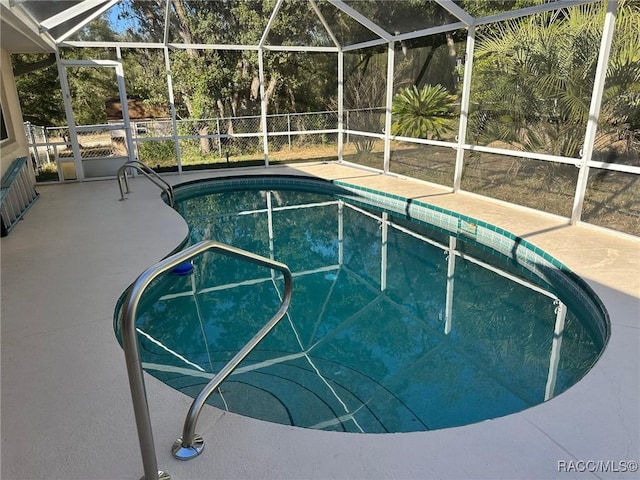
(423, 113)
(145, 76)
(90, 87)
(225, 83)
(39, 92)
(484, 8)
(98, 30)
(157, 153)
(533, 78)
(434, 60)
(206, 83)
(621, 106)
(47, 172)
(532, 82)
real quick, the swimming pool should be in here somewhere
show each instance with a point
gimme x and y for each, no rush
(404, 317)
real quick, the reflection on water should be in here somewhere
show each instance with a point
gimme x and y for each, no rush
(393, 327)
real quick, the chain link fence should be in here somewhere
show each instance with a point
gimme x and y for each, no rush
(37, 139)
(45, 145)
(202, 142)
(366, 119)
(229, 141)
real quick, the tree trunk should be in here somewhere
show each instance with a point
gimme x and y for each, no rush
(184, 30)
(425, 67)
(268, 92)
(187, 37)
(228, 121)
(205, 143)
(453, 60)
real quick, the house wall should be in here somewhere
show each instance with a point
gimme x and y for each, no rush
(16, 145)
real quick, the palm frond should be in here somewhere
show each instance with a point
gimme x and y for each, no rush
(423, 112)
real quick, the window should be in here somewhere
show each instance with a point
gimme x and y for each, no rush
(3, 127)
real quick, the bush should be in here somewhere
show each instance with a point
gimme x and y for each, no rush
(47, 173)
(423, 113)
(157, 153)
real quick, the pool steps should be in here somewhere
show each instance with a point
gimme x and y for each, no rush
(190, 444)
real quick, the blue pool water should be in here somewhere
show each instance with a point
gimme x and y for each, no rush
(394, 325)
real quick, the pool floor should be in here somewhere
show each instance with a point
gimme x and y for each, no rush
(394, 326)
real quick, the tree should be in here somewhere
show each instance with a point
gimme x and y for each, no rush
(225, 82)
(39, 91)
(621, 107)
(533, 78)
(484, 9)
(364, 92)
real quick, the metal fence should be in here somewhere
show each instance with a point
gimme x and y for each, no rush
(201, 142)
(542, 182)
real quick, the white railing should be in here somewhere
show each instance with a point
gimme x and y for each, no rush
(218, 137)
(203, 143)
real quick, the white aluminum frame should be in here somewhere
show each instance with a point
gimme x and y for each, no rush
(464, 108)
(391, 55)
(464, 21)
(594, 108)
(66, 95)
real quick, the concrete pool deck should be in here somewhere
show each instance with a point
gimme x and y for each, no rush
(66, 408)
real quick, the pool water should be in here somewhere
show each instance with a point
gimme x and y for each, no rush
(393, 327)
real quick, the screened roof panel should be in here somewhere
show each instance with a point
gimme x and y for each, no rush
(66, 16)
(243, 22)
(297, 24)
(403, 16)
(216, 22)
(41, 11)
(346, 29)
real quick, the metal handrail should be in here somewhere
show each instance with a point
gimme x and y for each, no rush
(148, 172)
(189, 447)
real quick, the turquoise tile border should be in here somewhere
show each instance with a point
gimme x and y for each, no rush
(496, 239)
(205, 186)
(527, 256)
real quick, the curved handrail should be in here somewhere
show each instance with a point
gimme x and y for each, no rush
(148, 172)
(132, 354)
(191, 445)
(141, 167)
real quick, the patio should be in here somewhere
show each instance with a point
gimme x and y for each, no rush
(66, 407)
(329, 85)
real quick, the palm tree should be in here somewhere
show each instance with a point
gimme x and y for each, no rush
(533, 78)
(423, 113)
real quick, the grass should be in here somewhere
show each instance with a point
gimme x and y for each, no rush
(47, 173)
(611, 198)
